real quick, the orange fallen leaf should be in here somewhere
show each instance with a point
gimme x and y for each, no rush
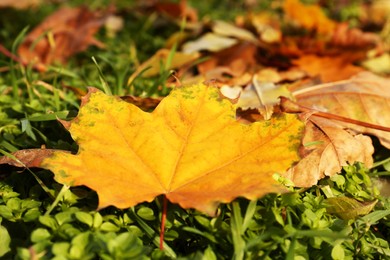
(191, 149)
(310, 17)
(328, 68)
(61, 35)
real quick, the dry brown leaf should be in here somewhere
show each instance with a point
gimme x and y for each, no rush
(61, 35)
(328, 147)
(239, 58)
(27, 158)
(158, 61)
(365, 97)
(343, 36)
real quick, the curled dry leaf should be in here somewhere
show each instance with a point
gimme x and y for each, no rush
(327, 147)
(61, 35)
(332, 142)
(190, 148)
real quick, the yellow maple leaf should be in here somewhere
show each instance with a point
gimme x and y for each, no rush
(190, 148)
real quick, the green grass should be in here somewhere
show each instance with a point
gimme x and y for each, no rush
(47, 221)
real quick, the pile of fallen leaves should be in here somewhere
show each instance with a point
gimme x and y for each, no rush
(292, 92)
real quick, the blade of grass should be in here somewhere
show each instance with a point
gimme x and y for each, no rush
(63, 71)
(48, 117)
(236, 228)
(8, 146)
(201, 233)
(105, 86)
(250, 212)
(19, 38)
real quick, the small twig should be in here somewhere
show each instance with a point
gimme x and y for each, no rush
(9, 54)
(37, 66)
(351, 121)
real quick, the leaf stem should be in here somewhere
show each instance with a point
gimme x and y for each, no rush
(152, 234)
(163, 218)
(292, 107)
